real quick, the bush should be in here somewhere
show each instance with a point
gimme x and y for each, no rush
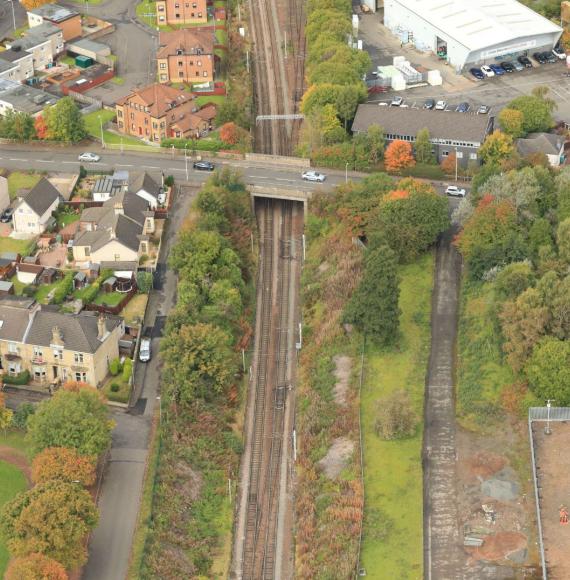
(115, 387)
(424, 170)
(29, 291)
(395, 417)
(127, 369)
(63, 288)
(144, 282)
(199, 145)
(169, 181)
(115, 367)
(21, 414)
(20, 379)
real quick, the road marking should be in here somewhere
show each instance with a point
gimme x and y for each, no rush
(70, 162)
(283, 179)
(149, 166)
(259, 177)
(123, 165)
(14, 159)
(43, 161)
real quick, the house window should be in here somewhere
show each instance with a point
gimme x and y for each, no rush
(38, 351)
(163, 65)
(163, 77)
(177, 5)
(199, 63)
(58, 353)
(177, 15)
(132, 116)
(120, 124)
(119, 113)
(13, 368)
(78, 357)
(161, 18)
(117, 257)
(472, 155)
(181, 74)
(81, 377)
(161, 8)
(460, 155)
(180, 63)
(39, 374)
(13, 347)
(444, 153)
(205, 73)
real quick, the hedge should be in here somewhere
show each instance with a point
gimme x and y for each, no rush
(22, 378)
(196, 145)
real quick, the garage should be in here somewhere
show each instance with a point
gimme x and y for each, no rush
(468, 32)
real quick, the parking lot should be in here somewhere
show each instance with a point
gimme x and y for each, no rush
(495, 92)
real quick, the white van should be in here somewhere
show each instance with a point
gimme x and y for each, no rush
(144, 350)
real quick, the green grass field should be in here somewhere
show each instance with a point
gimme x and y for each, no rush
(93, 126)
(216, 99)
(21, 180)
(12, 245)
(393, 540)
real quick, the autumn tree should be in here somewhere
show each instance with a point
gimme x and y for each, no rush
(78, 420)
(423, 147)
(63, 464)
(53, 519)
(449, 163)
(511, 122)
(65, 121)
(497, 147)
(398, 156)
(232, 134)
(373, 307)
(548, 370)
(41, 127)
(536, 111)
(31, 4)
(35, 567)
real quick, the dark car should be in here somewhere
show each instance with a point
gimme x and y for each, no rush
(476, 72)
(204, 166)
(429, 104)
(462, 108)
(508, 67)
(525, 61)
(7, 215)
(549, 57)
(497, 69)
(539, 57)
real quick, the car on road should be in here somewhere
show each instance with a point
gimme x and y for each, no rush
(487, 71)
(498, 70)
(525, 61)
(429, 104)
(455, 191)
(476, 72)
(463, 107)
(440, 106)
(396, 101)
(203, 165)
(507, 66)
(539, 57)
(7, 215)
(559, 53)
(144, 350)
(483, 109)
(89, 157)
(314, 176)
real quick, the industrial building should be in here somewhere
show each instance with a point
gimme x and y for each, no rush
(470, 32)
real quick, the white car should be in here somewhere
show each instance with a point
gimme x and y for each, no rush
(144, 350)
(396, 101)
(313, 176)
(440, 106)
(559, 53)
(487, 71)
(455, 191)
(90, 157)
(161, 198)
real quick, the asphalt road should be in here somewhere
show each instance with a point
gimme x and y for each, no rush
(6, 20)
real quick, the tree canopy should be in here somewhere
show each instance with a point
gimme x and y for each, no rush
(35, 567)
(63, 464)
(65, 122)
(537, 113)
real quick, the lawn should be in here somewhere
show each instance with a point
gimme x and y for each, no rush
(216, 99)
(68, 60)
(18, 286)
(21, 180)
(222, 37)
(133, 313)
(64, 219)
(12, 245)
(93, 126)
(108, 298)
(43, 291)
(393, 538)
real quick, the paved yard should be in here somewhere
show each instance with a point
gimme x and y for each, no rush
(55, 258)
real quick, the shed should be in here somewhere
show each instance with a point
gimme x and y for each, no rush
(79, 281)
(6, 287)
(7, 268)
(109, 284)
(49, 276)
(13, 256)
(83, 61)
(28, 273)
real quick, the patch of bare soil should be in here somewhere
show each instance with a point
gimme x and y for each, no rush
(482, 464)
(343, 368)
(499, 546)
(337, 457)
(17, 459)
(189, 481)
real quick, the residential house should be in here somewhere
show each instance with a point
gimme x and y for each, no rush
(16, 64)
(159, 112)
(450, 132)
(23, 99)
(105, 188)
(118, 231)
(43, 42)
(33, 212)
(143, 185)
(176, 12)
(550, 144)
(186, 56)
(67, 19)
(56, 347)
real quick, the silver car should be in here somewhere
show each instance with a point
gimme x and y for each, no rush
(89, 157)
(314, 176)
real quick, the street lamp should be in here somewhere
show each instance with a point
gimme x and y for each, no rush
(186, 159)
(101, 127)
(456, 164)
(346, 172)
(547, 430)
(13, 14)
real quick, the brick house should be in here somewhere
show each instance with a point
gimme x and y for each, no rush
(186, 56)
(68, 20)
(172, 12)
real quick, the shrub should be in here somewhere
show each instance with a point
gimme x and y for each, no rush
(169, 181)
(115, 388)
(20, 379)
(29, 291)
(144, 282)
(127, 369)
(63, 288)
(115, 367)
(21, 414)
(395, 417)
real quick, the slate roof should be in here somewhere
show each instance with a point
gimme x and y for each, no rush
(12, 55)
(15, 316)
(40, 197)
(144, 181)
(547, 143)
(449, 125)
(124, 265)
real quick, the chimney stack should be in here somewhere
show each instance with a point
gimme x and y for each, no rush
(101, 328)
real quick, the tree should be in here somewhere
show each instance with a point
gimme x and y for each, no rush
(542, 92)
(78, 420)
(373, 307)
(536, 113)
(513, 279)
(144, 282)
(449, 164)
(5, 414)
(511, 122)
(18, 126)
(35, 567)
(497, 147)
(563, 239)
(423, 147)
(21, 415)
(65, 122)
(548, 370)
(31, 4)
(376, 143)
(520, 186)
(41, 127)
(398, 156)
(53, 519)
(63, 464)
(540, 234)
(233, 134)
(395, 416)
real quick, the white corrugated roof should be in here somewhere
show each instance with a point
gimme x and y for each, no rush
(480, 23)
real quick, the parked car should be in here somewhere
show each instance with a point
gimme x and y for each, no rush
(89, 157)
(314, 176)
(476, 72)
(518, 65)
(455, 191)
(396, 101)
(203, 166)
(483, 109)
(144, 350)
(487, 71)
(429, 104)
(507, 66)
(559, 53)
(525, 61)
(440, 106)
(161, 198)
(463, 107)
(7, 215)
(539, 57)
(550, 57)
(498, 70)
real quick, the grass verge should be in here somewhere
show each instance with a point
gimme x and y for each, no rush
(12, 245)
(392, 537)
(21, 180)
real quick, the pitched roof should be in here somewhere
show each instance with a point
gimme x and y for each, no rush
(447, 125)
(187, 40)
(143, 181)
(41, 197)
(547, 143)
(158, 98)
(15, 315)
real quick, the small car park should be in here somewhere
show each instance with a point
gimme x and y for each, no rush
(507, 67)
(525, 61)
(487, 71)
(440, 106)
(455, 191)
(498, 70)
(7, 214)
(313, 176)
(429, 104)
(89, 157)
(396, 101)
(203, 166)
(476, 72)
(463, 107)
(483, 109)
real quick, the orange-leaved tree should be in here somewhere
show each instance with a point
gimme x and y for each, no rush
(41, 127)
(63, 464)
(448, 164)
(34, 567)
(31, 4)
(399, 156)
